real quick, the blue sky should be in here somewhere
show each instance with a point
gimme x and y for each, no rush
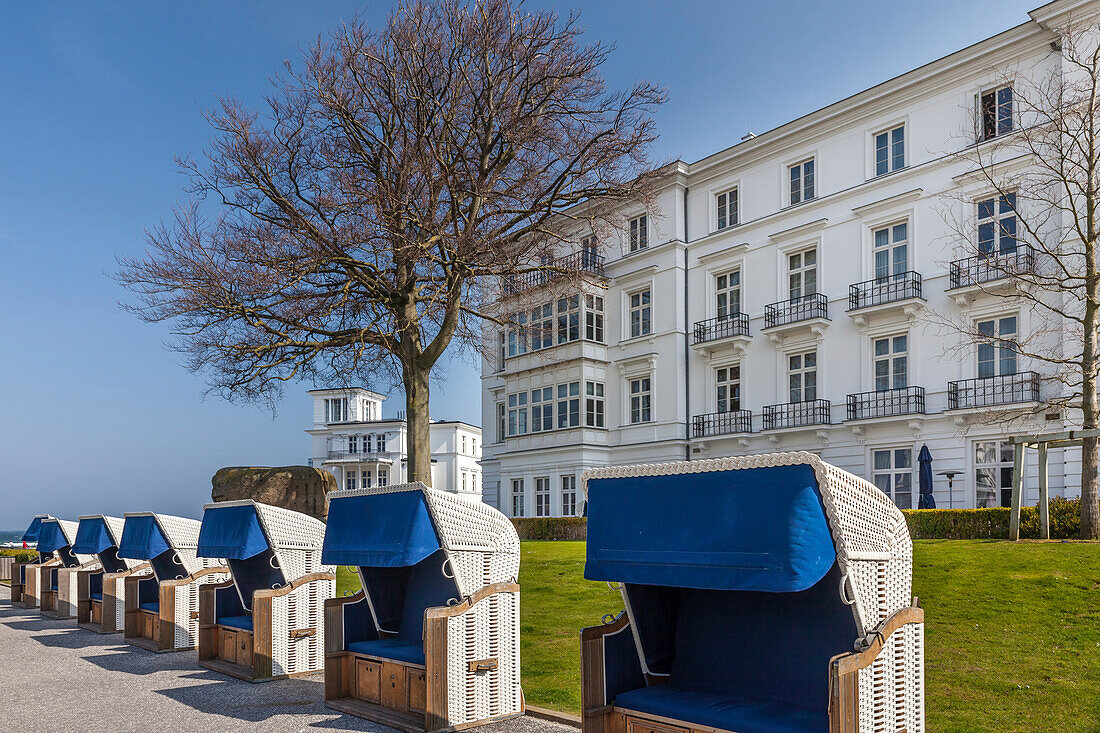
(96, 416)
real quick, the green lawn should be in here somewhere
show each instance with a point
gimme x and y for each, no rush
(1012, 631)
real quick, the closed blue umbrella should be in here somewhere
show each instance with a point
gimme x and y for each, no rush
(927, 500)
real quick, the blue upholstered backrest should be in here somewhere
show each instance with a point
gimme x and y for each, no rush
(166, 566)
(255, 573)
(427, 587)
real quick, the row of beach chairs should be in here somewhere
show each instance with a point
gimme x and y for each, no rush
(761, 594)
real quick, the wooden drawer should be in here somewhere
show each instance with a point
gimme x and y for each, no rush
(244, 648)
(227, 645)
(640, 725)
(416, 684)
(147, 625)
(368, 679)
(156, 626)
(96, 612)
(393, 686)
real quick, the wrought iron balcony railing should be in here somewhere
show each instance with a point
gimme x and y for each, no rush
(883, 290)
(796, 309)
(886, 403)
(721, 423)
(993, 266)
(1004, 389)
(712, 329)
(796, 414)
(585, 261)
(353, 456)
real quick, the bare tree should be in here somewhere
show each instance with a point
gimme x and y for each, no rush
(1027, 218)
(362, 225)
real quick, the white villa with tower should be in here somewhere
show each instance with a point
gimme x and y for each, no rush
(352, 441)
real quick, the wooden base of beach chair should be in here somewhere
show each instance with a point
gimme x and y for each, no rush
(16, 594)
(230, 651)
(380, 690)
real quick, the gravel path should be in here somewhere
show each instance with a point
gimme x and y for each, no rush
(59, 677)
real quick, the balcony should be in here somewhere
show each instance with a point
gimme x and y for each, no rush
(1005, 389)
(974, 271)
(796, 414)
(583, 262)
(335, 456)
(886, 403)
(723, 329)
(796, 310)
(885, 291)
(721, 423)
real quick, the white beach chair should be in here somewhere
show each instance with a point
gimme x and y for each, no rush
(101, 593)
(57, 583)
(25, 575)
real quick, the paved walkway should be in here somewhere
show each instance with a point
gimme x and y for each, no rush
(59, 677)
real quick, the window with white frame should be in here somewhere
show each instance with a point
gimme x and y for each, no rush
(517, 335)
(593, 318)
(727, 293)
(502, 422)
(383, 477)
(890, 150)
(727, 384)
(641, 323)
(517, 497)
(569, 319)
(997, 225)
(349, 480)
(542, 409)
(588, 251)
(517, 413)
(891, 250)
(802, 273)
(640, 400)
(802, 181)
(365, 477)
(726, 204)
(353, 444)
(473, 446)
(569, 405)
(336, 410)
(993, 461)
(639, 233)
(995, 112)
(502, 347)
(463, 480)
(569, 496)
(891, 362)
(542, 496)
(893, 474)
(593, 404)
(997, 353)
(802, 376)
(541, 329)
(463, 444)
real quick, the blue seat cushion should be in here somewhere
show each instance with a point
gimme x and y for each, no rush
(399, 650)
(153, 606)
(740, 713)
(237, 622)
(97, 596)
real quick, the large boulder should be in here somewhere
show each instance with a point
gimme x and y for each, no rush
(299, 488)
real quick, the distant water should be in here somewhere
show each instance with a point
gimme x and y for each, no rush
(10, 535)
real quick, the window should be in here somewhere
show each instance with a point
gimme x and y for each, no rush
(727, 382)
(993, 473)
(517, 413)
(893, 474)
(639, 400)
(802, 181)
(542, 409)
(349, 480)
(996, 112)
(365, 479)
(639, 233)
(383, 477)
(569, 319)
(997, 351)
(889, 151)
(593, 404)
(517, 497)
(802, 376)
(464, 443)
(541, 329)
(502, 346)
(473, 446)
(502, 424)
(593, 318)
(517, 336)
(891, 363)
(802, 273)
(727, 287)
(997, 225)
(353, 444)
(569, 405)
(640, 318)
(463, 480)
(336, 410)
(569, 496)
(380, 442)
(542, 496)
(891, 251)
(727, 209)
(588, 251)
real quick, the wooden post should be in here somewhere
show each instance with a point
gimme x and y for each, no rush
(1017, 492)
(1044, 494)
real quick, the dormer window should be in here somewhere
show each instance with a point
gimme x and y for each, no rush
(336, 410)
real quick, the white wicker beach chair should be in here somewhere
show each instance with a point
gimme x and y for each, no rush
(432, 642)
(265, 622)
(761, 593)
(57, 583)
(162, 609)
(101, 593)
(25, 575)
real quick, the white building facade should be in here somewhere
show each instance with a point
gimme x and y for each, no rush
(360, 448)
(778, 295)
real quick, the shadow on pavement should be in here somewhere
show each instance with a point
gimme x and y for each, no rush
(72, 639)
(249, 702)
(132, 660)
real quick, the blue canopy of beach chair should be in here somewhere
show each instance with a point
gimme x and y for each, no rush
(51, 538)
(142, 539)
(379, 530)
(31, 535)
(926, 499)
(92, 537)
(231, 532)
(760, 529)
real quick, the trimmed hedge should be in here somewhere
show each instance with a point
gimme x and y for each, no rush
(547, 528)
(992, 524)
(20, 555)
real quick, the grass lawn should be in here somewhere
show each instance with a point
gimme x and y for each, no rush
(1012, 631)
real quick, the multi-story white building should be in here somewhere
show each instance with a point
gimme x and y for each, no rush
(777, 296)
(360, 448)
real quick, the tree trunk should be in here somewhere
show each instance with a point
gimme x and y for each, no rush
(419, 424)
(1090, 490)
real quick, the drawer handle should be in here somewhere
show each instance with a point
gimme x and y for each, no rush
(302, 633)
(483, 665)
